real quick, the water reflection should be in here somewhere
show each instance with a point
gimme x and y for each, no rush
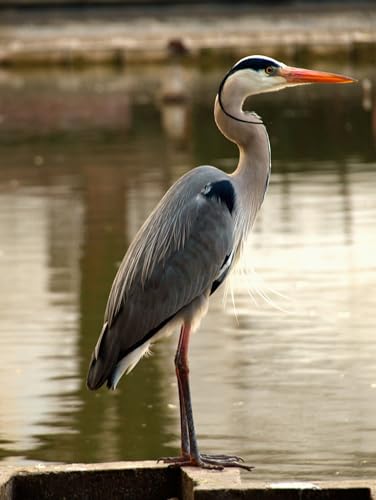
(289, 381)
(40, 242)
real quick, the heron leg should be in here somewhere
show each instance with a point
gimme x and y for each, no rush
(190, 453)
(185, 444)
(184, 432)
(186, 413)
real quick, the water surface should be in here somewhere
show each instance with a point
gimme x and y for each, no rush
(283, 375)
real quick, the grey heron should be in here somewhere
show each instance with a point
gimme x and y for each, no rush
(190, 242)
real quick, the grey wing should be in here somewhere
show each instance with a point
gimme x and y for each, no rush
(147, 295)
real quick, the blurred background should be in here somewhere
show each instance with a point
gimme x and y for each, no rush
(102, 107)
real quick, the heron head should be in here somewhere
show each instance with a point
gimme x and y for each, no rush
(258, 74)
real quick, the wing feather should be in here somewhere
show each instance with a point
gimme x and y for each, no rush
(176, 256)
(179, 277)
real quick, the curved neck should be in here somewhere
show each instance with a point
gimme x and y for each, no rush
(248, 132)
(235, 123)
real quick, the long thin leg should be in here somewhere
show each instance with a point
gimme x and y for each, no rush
(185, 445)
(190, 453)
(182, 372)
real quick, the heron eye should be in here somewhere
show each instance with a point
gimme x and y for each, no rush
(269, 70)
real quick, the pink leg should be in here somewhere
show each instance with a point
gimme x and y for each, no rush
(190, 454)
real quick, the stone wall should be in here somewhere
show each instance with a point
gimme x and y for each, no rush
(149, 480)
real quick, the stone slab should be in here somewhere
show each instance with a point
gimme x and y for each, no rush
(150, 480)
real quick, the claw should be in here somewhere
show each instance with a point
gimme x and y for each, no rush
(204, 461)
(230, 458)
(227, 462)
(189, 462)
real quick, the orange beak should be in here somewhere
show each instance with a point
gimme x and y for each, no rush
(300, 75)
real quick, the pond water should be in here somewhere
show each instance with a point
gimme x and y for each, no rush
(284, 374)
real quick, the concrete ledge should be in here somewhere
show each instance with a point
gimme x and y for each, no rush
(149, 480)
(92, 481)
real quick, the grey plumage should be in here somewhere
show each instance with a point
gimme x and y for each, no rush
(188, 245)
(176, 258)
(165, 270)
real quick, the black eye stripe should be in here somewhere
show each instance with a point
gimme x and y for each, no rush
(254, 63)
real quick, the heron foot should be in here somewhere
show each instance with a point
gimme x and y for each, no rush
(204, 461)
(189, 461)
(224, 461)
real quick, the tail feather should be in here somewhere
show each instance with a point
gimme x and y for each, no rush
(96, 376)
(103, 359)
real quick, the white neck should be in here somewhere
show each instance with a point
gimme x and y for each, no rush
(247, 131)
